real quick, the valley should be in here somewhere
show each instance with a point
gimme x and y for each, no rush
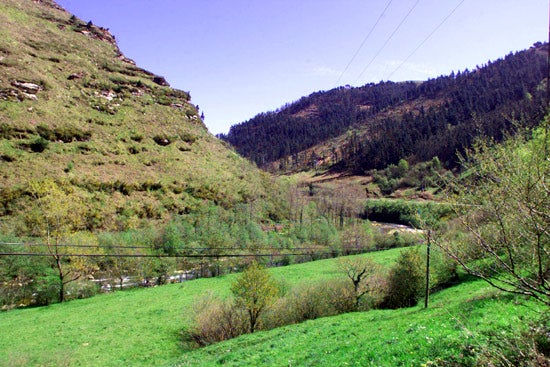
(396, 223)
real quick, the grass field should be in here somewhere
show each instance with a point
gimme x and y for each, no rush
(141, 328)
(458, 317)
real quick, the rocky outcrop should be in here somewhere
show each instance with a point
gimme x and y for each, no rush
(22, 90)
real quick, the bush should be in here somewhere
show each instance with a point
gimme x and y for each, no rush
(214, 320)
(508, 346)
(66, 133)
(46, 290)
(412, 213)
(81, 289)
(420, 176)
(6, 131)
(309, 302)
(395, 239)
(341, 296)
(188, 137)
(406, 281)
(39, 145)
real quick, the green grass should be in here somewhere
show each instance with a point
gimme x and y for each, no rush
(457, 318)
(141, 328)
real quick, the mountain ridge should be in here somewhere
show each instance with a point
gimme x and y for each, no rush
(345, 128)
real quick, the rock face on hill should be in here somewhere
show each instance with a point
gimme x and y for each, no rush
(75, 110)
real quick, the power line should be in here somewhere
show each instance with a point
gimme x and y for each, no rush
(364, 40)
(34, 254)
(153, 248)
(388, 40)
(426, 39)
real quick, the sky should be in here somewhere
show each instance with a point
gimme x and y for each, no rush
(239, 58)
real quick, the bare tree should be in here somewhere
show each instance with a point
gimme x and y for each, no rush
(360, 271)
(503, 204)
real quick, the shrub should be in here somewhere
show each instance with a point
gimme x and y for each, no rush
(46, 289)
(405, 212)
(309, 301)
(341, 296)
(81, 289)
(39, 145)
(6, 131)
(356, 239)
(509, 347)
(254, 290)
(188, 137)
(137, 137)
(66, 133)
(406, 281)
(162, 140)
(359, 272)
(214, 320)
(395, 239)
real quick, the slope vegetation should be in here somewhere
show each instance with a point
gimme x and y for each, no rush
(73, 109)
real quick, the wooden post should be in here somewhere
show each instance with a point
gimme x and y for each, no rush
(427, 297)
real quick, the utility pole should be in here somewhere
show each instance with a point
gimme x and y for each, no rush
(548, 64)
(427, 296)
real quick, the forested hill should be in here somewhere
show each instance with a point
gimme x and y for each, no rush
(357, 129)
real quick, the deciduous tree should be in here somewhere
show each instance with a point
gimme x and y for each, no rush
(503, 203)
(254, 291)
(57, 214)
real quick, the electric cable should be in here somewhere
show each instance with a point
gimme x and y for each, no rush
(152, 248)
(176, 255)
(426, 39)
(364, 40)
(388, 40)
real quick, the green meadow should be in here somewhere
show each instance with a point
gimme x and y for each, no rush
(142, 327)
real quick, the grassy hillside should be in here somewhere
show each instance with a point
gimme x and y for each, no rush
(74, 109)
(458, 322)
(141, 328)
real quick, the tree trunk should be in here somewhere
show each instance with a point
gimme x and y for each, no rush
(61, 279)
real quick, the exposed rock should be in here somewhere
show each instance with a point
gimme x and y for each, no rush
(27, 86)
(49, 3)
(109, 95)
(75, 76)
(123, 58)
(30, 96)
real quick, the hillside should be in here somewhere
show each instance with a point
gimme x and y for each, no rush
(142, 328)
(75, 110)
(358, 129)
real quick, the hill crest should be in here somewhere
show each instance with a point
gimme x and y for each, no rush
(357, 129)
(75, 110)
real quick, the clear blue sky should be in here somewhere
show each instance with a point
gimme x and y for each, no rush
(242, 57)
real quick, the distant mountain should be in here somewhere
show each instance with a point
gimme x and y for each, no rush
(357, 129)
(75, 110)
